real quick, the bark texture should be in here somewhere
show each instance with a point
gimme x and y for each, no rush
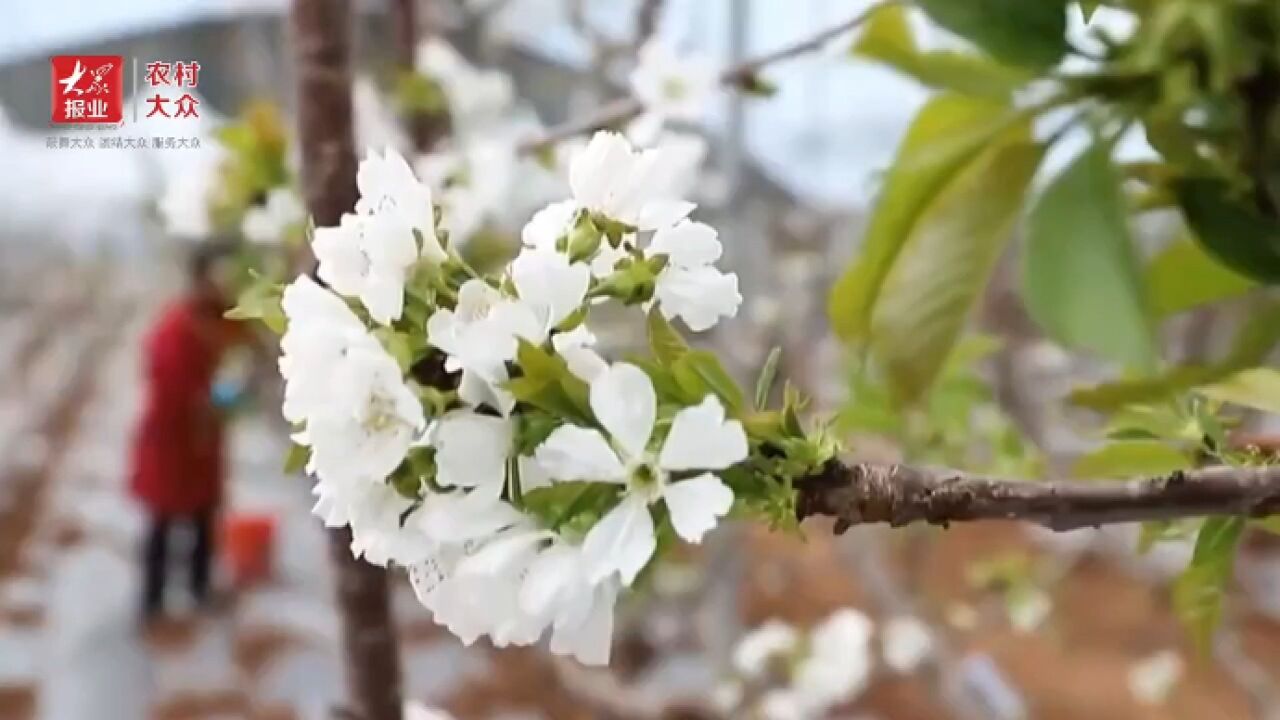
(322, 38)
(901, 495)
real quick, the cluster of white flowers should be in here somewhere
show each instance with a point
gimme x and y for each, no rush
(803, 675)
(520, 510)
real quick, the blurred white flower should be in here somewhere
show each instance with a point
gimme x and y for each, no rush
(690, 286)
(267, 224)
(1029, 610)
(418, 711)
(1153, 679)
(476, 334)
(477, 98)
(623, 401)
(907, 643)
(756, 649)
(838, 666)
(672, 86)
(184, 202)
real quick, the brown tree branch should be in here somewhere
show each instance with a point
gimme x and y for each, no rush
(900, 495)
(621, 110)
(322, 39)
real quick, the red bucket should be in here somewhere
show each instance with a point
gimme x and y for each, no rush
(247, 545)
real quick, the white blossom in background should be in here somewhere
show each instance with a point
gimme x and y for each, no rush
(184, 202)
(804, 675)
(1029, 610)
(1152, 679)
(375, 121)
(755, 650)
(624, 402)
(477, 98)
(418, 711)
(907, 643)
(268, 223)
(672, 86)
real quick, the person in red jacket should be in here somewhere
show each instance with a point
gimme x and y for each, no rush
(178, 449)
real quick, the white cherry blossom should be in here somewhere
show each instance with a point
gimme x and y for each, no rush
(368, 257)
(690, 287)
(623, 401)
(672, 86)
(371, 422)
(266, 224)
(321, 330)
(472, 450)
(389, 189)
(550, 289)
(612, 179)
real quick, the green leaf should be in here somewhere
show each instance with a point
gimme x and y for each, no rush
(945, 261)
(1080, 276)
(767, 375)
(1130, 458)
(1250, 349)
(1088, 8)
(700, 372)
(1257, 388)
(944, 137)
(664, 340)
(887, 39)
(261, 301)
(1022, 32)
(398, 345)
(1199, 591)
(296, 459)
(1230, 229)
(1183, 276)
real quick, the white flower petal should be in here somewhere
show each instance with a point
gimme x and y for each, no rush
(696, 505)
(575, 453)
(550, 284)
(701, 439)
(472, 449)
(591, 641)
(512, 551)
(700, 296)
(550, 574)
(687, 244)
(549, 224)
(622, 541)
(624, 402)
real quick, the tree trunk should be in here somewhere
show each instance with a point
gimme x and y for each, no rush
(406, 20)
(322, 38)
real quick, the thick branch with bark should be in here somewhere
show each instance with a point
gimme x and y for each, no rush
(623, 109)
(901, 495)
(321, 36)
